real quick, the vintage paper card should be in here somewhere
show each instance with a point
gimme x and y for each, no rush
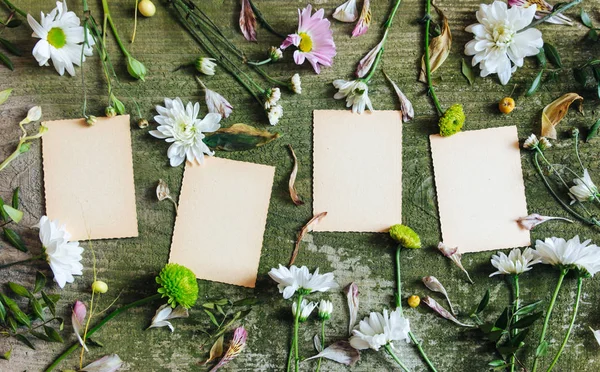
(480, 189)
(221, 219)
(357, 170)
(88, 177)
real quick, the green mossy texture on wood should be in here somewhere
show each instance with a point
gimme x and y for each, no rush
(129, 265)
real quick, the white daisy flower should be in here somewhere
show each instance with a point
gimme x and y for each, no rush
(300, 279)
(274, 114)
(273, 96)
(206, 65)
(306, 308)
(296, 84)
(571, 253)
(165, 313)
(531, 142)
(515, 263)
(356, 93)
(498, 46)
(584, 189)
(325, 309)
(378, 330)
(180, 126)
(63, 256)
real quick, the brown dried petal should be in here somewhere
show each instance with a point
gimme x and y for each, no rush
(307, 228)
(162, 191)
(293, 193)
(248, 21)
(439, 47)
(216, 351)
(556, 111)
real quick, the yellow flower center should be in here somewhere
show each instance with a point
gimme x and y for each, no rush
(57, 37)
(306, 43)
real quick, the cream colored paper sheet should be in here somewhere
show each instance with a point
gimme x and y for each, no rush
(480, 189)
(221, 220)
(357, 170)
(88, 177)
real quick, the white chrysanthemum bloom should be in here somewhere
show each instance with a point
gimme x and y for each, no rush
(545, 143)
(356, 93)
(515, 263)
(378, 330)
(347, 12)
(273, 96)
(180, 126)
(165, 313)
(206, 65)
(63, 256)
(498, 46)
(274, 114)
(569, 254)
(217, 104)
(531, 142)
(325, 309)
(296, 84)
(300, 279)
(306, 308)
(584, 189)
(61, 39)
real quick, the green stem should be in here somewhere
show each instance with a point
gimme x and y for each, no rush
(430, 88)
(113, 27)
(13, 7)
(296, 327)
(260, 63)
(322, 343)
(263, 21)
(575, 309)
(391, 352)
(100, 324)
(563, 273)
(413, 338)
(516, 317)
(398, 281)
(34, 258)
(558, 10)
(11, 157)
(290, 356)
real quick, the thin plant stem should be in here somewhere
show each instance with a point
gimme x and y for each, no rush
(395, 357)
(563, 273)
(566, 338)
(556, 11)
(430, 88)
(34, 258)
(263, 21)
(135, 17)
(577, 150)
(114, 28)
(13, 7)
(322, 343)
(290, 356)
(515, 282)
(296, 327)
(259, 63)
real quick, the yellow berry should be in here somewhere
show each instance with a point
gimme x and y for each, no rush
(414, 301)
(146, 8)
(99, 287)
(506, 105)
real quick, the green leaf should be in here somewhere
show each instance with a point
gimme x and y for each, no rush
(592, 35)
(220, 310)
(486, 327)
(12, 323)
(49, 302)
(496, 334)
(222, 302)
(19, 290)
(585, 19)
(580, 75)
(40, 282)
(208, 305)
(14, 239)
(502, 321)
(527, 321)
(14, 23)
(541, 57)
(212, 317)
(542, 350)
(2, 312)
(507, 350)
(14, 214)
(15, 199)
(497, 363)
(239, 137)
(41, 336)
(93, 342)
(552, 54)
(520, 337)
(467, 72)
(593, 131)
(24, 340)
(6, 356)
(6, 62)
(14, 309)
(4, 95)
(118, 105)
(53, 334)
(8, 45)
(536, 83)
(485, 300)
(527, 309)
(3, 215)
(247, 302)
(38, 311)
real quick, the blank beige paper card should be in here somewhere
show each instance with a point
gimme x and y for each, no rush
(480, 189)
(357, 170)
(88, 177)
(221, 219)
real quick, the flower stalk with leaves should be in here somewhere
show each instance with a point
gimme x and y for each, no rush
(34, 114)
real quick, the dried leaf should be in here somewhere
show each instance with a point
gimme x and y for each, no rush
(239, 137)
(4, 95)
(556, 111)
(439, 47)
(293, 193)
(408, 113)
(467, 72)
(248, 21)
(352, 297)
(307, 228)
(216, 351)
(443, 312)
(340, 352)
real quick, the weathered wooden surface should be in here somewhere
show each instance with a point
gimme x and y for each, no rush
(129, 265)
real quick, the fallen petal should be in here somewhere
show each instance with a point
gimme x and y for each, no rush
(435, 285)
(108, 363)
(443, 312)
(534, 219)
(556, 111)
(340, 352)
(248, 21)
(78, 321)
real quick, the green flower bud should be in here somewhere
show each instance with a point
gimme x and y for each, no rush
(99, 287)
(452, 121)
(110, 112)
(136, 68)
(405, 236)
(91, 120)
(178, 284)
(24, 148)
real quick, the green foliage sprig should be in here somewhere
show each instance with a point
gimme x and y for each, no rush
(10, 214)
(10, 22)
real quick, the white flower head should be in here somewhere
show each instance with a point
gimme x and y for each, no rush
(275, 54)
(531, 142)
(63, 256)
(61, 39)
(206, 65)
(569, 254)
(356, 93)
(300, 279)
(274, 114)
(296, 84)
(498, 46)
(515, 263)
(325, 309)
(272, 97)
(347, 12)
(165, 313)
(584, 189)
(180, 126)
(378, 330)
(306, 308)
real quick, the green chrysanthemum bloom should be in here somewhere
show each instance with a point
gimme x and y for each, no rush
(452, 121)
(179, 284)
(405, 236)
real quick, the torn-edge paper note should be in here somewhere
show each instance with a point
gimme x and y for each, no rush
(480, 189)
(88, 177)
(357, 165)
(221, 219)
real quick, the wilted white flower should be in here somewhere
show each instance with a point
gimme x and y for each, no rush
(531, 142)
(378, 330)
(569, 254)
(515, 263)
(165, 313)
(365, 64)
(534, 219)
(61, 39)
(306, 308)
(108, 363)
(63, 256)
(356, 93)
(274, 114)
(296, 84)
(498, 46)
(275, 54)
(180, 125)
(584, 189)
(206, 65)
(453, 254)
(300, 279)
(272, 97)
(347, 12)
(325, 309)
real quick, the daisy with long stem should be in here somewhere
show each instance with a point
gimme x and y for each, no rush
(325, 310)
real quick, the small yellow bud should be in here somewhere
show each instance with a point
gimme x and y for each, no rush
(147, 8)
(506, 105)
(142, 123)
(99, 287)
(414, 301)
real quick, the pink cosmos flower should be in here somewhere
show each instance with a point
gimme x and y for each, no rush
(314, 39)
(362, 26)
